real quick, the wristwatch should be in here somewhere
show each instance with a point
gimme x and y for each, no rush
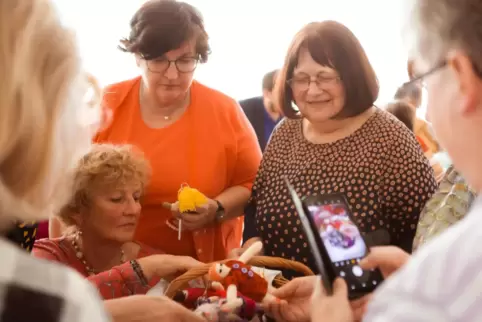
(220, 212)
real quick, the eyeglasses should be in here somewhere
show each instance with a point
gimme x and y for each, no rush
(421, 78)
(303, 83)
(183, 64)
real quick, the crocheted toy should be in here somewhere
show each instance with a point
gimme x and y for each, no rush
(190, 199)
(241, 275)
(216, 304)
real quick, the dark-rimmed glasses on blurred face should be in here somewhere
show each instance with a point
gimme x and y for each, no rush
(420, 79)
(183, 64)
(302, 83)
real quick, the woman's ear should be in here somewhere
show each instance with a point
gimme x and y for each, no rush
(138, 60)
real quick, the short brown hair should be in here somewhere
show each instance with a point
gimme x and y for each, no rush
(104, 166)
(411, 91)
(403, 111)
(269, 80)
(160, 26)
(331, 44)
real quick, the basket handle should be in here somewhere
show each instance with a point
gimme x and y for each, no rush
(182, 281)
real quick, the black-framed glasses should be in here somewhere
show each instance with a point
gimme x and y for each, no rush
(183, 64)
(303, 83)
(421, 78)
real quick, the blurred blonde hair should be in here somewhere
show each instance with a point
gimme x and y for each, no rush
(44, 114)
(106, 166)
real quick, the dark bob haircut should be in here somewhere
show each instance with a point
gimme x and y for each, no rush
(160, 26)
(331, 44)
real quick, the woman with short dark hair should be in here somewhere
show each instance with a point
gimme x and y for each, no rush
(190, 133)
(336, 141)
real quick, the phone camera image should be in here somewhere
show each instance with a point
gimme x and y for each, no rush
(344, 244)
(339, 234)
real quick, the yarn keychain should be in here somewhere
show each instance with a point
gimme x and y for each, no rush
(189, 199)
(240, 274)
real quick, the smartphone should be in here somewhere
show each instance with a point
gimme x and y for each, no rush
(336, 242)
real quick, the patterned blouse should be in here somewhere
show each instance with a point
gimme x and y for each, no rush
(23, 235)
(380, 168)
(118, 282)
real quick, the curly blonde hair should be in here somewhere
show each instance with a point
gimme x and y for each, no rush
(106, 166)
(42, 102)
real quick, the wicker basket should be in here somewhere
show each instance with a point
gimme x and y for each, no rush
(182, 281)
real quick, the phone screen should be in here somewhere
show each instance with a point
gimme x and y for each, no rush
(343, 241)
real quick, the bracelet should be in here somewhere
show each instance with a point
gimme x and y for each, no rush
(138, 270)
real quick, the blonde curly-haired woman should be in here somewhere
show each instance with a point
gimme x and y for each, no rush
(102, 217)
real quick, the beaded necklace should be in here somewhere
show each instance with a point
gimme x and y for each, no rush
(80, 254)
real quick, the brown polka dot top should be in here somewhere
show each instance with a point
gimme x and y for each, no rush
(380, 168)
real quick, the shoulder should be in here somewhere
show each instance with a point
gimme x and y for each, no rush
(287, 128)
(59, 292)
(114, 94)
(53, 244)
(392, 134)
(441, 271)
(285, 135)
(388, 123)
(214, 98)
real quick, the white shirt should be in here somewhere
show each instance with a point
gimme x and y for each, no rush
(36, 290)
(442, 281)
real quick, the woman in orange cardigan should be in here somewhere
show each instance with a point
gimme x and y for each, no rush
(190, 133)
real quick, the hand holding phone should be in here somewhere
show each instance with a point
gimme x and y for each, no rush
(336, 242)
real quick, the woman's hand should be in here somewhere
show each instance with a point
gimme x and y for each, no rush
(386, 258)
(166, 265)
(334, 308)
(203, 217)
(237, 252)
(295, 300)
(148, 309)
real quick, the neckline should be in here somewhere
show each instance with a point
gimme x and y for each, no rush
(342, 140)
(183, 118)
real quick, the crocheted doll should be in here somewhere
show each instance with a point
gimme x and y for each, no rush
(225, 305)
(241, 275)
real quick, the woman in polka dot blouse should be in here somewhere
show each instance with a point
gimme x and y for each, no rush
(336, 141)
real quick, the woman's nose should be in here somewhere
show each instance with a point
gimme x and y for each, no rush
(133, 207)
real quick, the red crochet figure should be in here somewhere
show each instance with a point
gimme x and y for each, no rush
(240, 274)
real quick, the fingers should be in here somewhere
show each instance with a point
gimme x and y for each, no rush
(235, 253)
(384, 256)
(189, 219)
(339, 288)
(359, 307)
(286, 290)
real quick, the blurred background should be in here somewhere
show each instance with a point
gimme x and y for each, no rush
(248, 38)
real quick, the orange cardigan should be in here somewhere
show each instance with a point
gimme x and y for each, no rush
(211, 147)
